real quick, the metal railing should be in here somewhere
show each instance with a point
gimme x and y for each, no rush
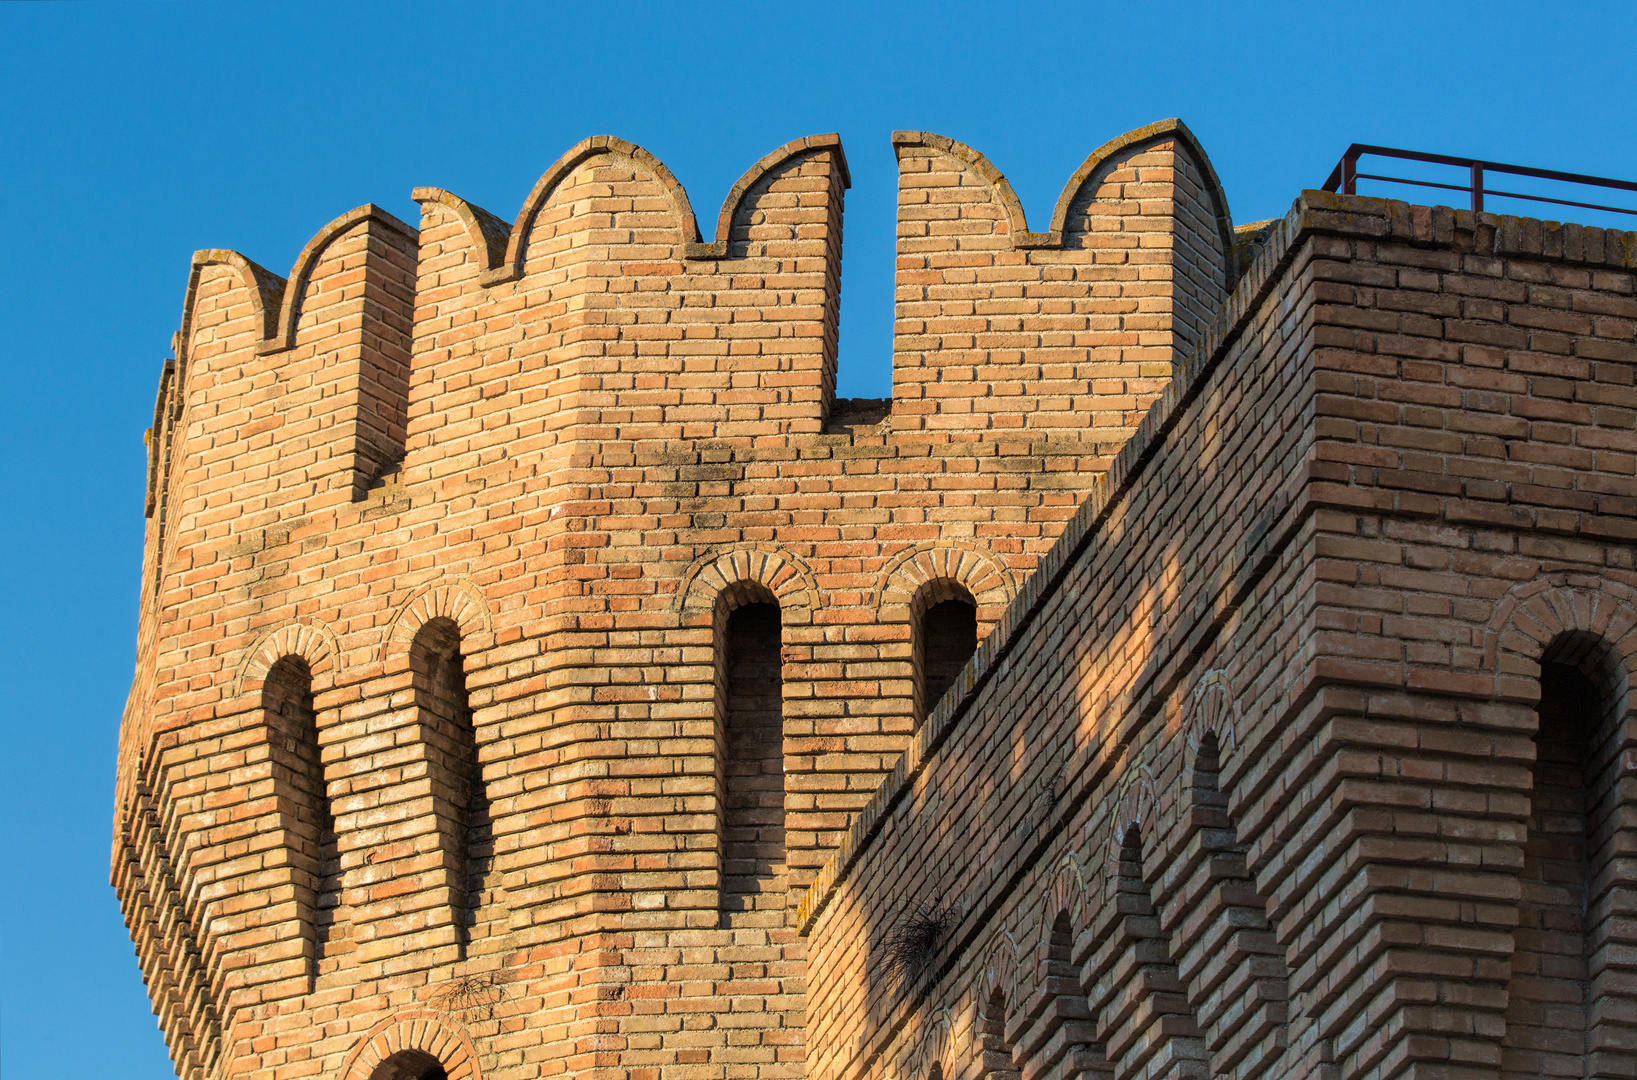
(1345, 177)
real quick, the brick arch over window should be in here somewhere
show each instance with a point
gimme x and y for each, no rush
(1534, 614)
(999, 974)
(1065, 895)
(424, 1030)
(943, 637)
(978, 571)
(310, 639)
(994, 997)
(1212, 715)
(453, 598)
(721, 576)
(1131, 807)
(918, 578)
(933, 1057)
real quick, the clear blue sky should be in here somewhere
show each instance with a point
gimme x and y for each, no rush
(132, 134)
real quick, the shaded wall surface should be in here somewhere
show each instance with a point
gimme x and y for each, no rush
(439, 750)
(528, 678)
(1306, 751)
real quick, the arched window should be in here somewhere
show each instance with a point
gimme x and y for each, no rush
(995, 1061)
(750, 711)
(944, 637)
(1163, 1023)
(1060, 1038)
(1552, 1005)
(409, 1065)
(1239, 944)
(459, 800)
(298, 775)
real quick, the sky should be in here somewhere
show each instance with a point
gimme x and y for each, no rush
(132, 134)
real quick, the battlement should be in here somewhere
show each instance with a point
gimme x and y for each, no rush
(633, 328)
(1067, 332)
(541, 672)
(574, 444)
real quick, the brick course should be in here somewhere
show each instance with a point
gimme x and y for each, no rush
(1267, 533)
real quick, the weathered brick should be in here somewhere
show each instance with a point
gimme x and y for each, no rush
(1254, 778)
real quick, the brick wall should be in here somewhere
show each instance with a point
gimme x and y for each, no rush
(491, 493)
(1244, 782)
(559, 451)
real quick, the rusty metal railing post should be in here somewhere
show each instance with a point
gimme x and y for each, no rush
(1349, 171)
(1477, 187)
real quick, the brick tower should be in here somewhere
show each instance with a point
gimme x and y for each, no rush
(541, 673)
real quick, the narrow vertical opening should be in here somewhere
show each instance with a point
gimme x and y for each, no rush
(460, 801)
(287, 702)
(1547, 993)
(1207, 774)
(1164, 1024)
(1131, 879)
(1060, 947)
(1062, 1042)
(945, 635)
(1233, 971)
(750, 703)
